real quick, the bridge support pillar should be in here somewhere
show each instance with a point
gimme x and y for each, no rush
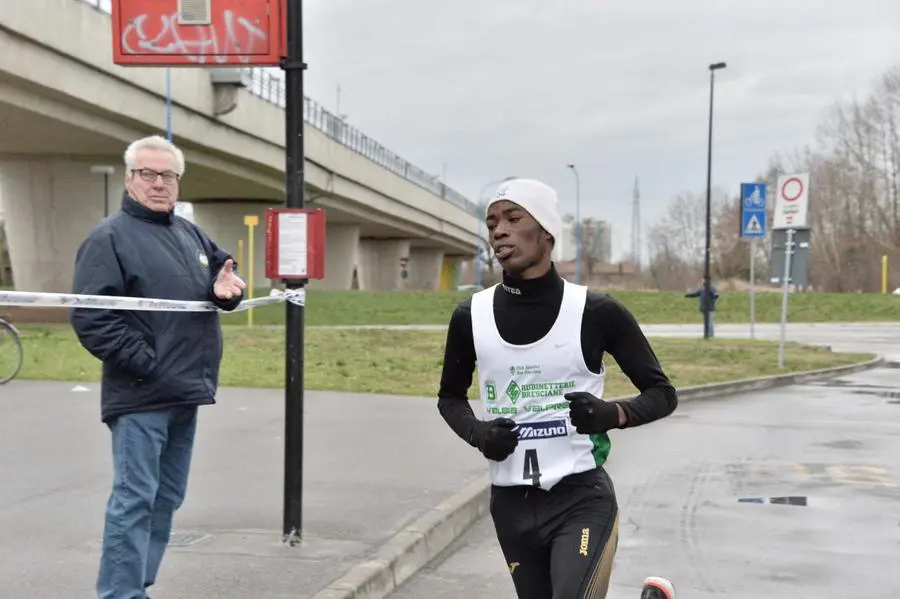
(383, 264)
(425, 266)
(223, 221)
(49, 206)
(451, 273)
(341, 257)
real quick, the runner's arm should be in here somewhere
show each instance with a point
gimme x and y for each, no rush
(624, 340)
(456, 376)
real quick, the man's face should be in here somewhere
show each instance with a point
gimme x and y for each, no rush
(517, 239)
(153, 181)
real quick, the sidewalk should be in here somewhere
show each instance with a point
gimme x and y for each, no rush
(372, 465)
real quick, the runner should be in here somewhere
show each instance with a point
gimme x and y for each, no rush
(544, 423)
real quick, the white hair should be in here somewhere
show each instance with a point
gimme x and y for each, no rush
(154, 142)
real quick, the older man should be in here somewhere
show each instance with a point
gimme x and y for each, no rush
(158, 367)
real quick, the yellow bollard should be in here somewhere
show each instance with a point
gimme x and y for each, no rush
(251, 220)
(240, 256)
(884, 275)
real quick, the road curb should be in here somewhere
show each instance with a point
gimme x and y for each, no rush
(714, 390)
(415, 546)
(412, 548)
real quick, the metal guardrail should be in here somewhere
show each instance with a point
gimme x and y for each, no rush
(268, 84)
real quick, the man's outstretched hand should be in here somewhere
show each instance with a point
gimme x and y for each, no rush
(495, 438)
(228, 285)
(590, 415)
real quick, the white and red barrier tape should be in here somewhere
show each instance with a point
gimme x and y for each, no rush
(115, 302)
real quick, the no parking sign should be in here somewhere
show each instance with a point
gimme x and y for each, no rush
(792, 202)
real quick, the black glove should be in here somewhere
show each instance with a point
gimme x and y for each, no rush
(591, 415)
(495, 438)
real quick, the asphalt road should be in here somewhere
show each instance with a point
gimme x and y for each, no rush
(882, 338)
(368, 471)
(680, 483)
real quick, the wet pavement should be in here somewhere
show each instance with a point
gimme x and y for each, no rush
(372, 465)
(880, 337)
(375, 463)
(696, 493)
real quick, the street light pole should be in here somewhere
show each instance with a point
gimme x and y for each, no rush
(705, 300)
(577, 224)
(478, 258)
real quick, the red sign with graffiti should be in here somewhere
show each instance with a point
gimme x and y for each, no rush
(219, 33)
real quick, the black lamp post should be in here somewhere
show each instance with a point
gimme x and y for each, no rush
(706, 299)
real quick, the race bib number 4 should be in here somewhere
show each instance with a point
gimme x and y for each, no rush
(531, 432)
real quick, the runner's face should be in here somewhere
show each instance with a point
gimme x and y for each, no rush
(520, 244)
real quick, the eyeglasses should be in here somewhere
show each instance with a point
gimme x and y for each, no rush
(149, 175)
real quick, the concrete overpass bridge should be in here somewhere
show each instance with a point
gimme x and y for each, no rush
(65, 107)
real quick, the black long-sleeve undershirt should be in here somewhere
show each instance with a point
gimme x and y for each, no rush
(525, 310)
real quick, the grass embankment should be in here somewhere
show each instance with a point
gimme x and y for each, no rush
(409, 362)
(435, 307)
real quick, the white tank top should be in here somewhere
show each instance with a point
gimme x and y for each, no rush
(526, 383)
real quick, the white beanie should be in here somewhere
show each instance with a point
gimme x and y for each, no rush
(536, 198)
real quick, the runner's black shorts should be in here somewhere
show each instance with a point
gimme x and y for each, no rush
(559, 544)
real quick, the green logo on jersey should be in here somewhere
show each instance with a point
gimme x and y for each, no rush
(513, 391)
(490, 391)
(540, 390)
(551, 407)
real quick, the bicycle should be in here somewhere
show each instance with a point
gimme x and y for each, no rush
(11, 352)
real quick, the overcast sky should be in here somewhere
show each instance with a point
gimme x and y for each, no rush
(482, 89)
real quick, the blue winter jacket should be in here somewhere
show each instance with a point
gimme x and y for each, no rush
(151, 360)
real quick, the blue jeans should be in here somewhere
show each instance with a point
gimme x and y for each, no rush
(151, 459)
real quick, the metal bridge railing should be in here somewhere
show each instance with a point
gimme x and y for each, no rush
(268, 84)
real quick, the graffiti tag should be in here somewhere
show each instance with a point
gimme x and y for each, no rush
(199, 44)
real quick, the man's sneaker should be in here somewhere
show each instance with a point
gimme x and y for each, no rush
(657, 588)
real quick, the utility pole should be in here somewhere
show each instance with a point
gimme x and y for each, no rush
(706, 299)
(577, 224)
(294, 66)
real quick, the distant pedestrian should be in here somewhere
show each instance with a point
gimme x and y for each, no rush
(157, 366)
(707, 302)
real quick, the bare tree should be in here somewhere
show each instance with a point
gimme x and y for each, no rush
(486, 257)
(854, 198)
(854, 166)
(593, 243)
(667, 269)
(730, 254)
(677, 241)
